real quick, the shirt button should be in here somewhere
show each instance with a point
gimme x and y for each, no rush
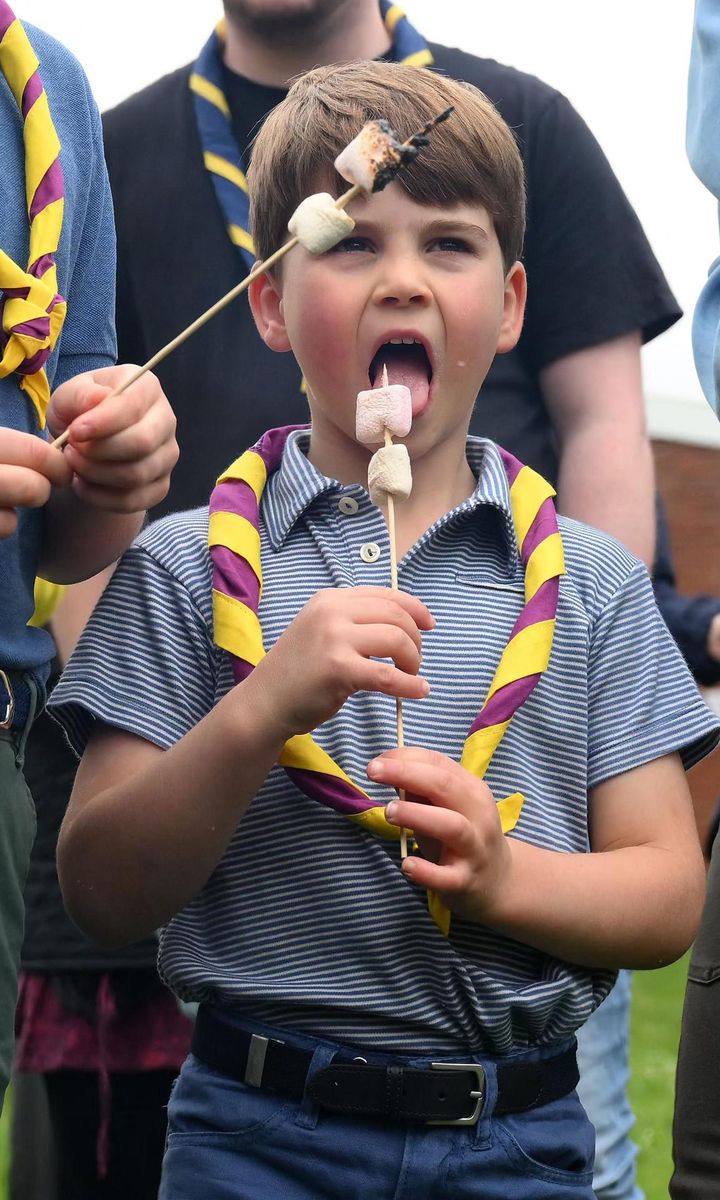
(370, 552)
(348, 506)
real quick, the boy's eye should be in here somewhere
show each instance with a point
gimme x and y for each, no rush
(453, 245)
(353, 245)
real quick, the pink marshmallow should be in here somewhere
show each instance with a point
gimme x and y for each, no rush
(382, 408)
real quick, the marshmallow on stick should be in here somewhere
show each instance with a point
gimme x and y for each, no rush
(381, 413)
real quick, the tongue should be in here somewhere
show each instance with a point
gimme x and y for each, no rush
(406, 369)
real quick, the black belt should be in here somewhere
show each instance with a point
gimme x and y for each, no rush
(442, 1094)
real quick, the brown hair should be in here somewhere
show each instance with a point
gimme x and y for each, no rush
(472, 158)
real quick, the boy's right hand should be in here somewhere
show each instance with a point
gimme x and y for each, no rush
(29, 469)
(329, 652)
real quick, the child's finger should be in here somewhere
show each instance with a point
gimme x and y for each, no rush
(72, 400)
(372, 676)
(438, 877)
(388, 641)
(93, 469)
(419, 612)
(442, 825)
(135, 441)
(441, 780)
(113, 415)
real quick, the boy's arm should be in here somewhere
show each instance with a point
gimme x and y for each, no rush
(606, 472)
(634, 902)
(145, 828)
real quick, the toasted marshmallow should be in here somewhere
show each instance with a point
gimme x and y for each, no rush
(388, 407)
(318, 224)
(389, 474)
(372, 158)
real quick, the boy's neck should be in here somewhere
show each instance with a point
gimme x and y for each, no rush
(442, 479)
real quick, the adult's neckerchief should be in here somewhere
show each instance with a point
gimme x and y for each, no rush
(221, 153)
(234, 540)
(31, 311)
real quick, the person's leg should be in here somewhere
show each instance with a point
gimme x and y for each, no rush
(137, 1114)
(33, 1170)
(696, 1125)
(604, 1073)
(73, 1101)
(138, 1124)
(17, 831)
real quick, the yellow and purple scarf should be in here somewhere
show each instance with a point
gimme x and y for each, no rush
(31, 311)
(234, 539)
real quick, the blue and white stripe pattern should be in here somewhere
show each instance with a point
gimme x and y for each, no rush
(312, 926)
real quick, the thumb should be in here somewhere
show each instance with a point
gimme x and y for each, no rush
(72, 399)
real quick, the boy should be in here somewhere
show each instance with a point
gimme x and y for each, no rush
(327, 990)
(64, 515)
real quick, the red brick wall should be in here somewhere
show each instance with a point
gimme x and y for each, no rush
(688, 478)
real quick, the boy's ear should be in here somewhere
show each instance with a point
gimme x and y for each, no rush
(265, 298)
(513, 308)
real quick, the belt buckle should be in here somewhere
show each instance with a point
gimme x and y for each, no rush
(7, 720)
(477, 1095)
(256, 1059)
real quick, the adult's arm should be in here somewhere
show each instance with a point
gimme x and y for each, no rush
(606, 477)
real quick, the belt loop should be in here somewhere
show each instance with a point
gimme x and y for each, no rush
(481, 1134)
(24, 732)
(308, 1114)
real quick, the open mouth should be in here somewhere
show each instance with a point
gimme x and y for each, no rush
(407, 363)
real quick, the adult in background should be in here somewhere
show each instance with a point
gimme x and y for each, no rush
(568, 400)
(65, 515)
(696, 1126)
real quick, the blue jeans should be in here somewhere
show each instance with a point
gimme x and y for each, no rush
(227, 1141)
(604, 1074)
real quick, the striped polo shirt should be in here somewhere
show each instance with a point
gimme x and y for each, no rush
(307, 922)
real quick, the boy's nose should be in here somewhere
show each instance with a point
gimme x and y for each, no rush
(401, 283)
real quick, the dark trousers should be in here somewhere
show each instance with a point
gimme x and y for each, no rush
(136, 1133)
(696, 1126)
(17, 832)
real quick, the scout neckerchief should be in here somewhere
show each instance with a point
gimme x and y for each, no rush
(31, 311)
(234, 539)
(221, 152)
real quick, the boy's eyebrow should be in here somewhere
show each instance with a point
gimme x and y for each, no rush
(436, 227)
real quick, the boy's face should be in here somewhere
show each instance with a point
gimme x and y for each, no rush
(427, 274)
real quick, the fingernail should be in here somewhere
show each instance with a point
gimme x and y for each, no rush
(82, 429)
(426, 687)
(375, 769)
(408, 866)
(390, 811)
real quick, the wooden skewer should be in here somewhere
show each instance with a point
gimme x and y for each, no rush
(394, 581)
(341, 202)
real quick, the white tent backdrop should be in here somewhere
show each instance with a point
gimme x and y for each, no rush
(622, 64)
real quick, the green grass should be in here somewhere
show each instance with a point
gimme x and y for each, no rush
(657, 1006)
(655, 1031)
(5, 1146)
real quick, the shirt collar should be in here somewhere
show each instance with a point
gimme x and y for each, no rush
(297, 484)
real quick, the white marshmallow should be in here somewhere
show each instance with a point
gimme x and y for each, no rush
(374, 150)
(389, 474)
(382, 408)
(318, 224)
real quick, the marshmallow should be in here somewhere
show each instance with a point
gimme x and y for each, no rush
(388, 407)
(372, 158)
(389, 474)
(319, 224)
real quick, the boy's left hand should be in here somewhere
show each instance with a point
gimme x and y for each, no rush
(464, 855)
(121, 451)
